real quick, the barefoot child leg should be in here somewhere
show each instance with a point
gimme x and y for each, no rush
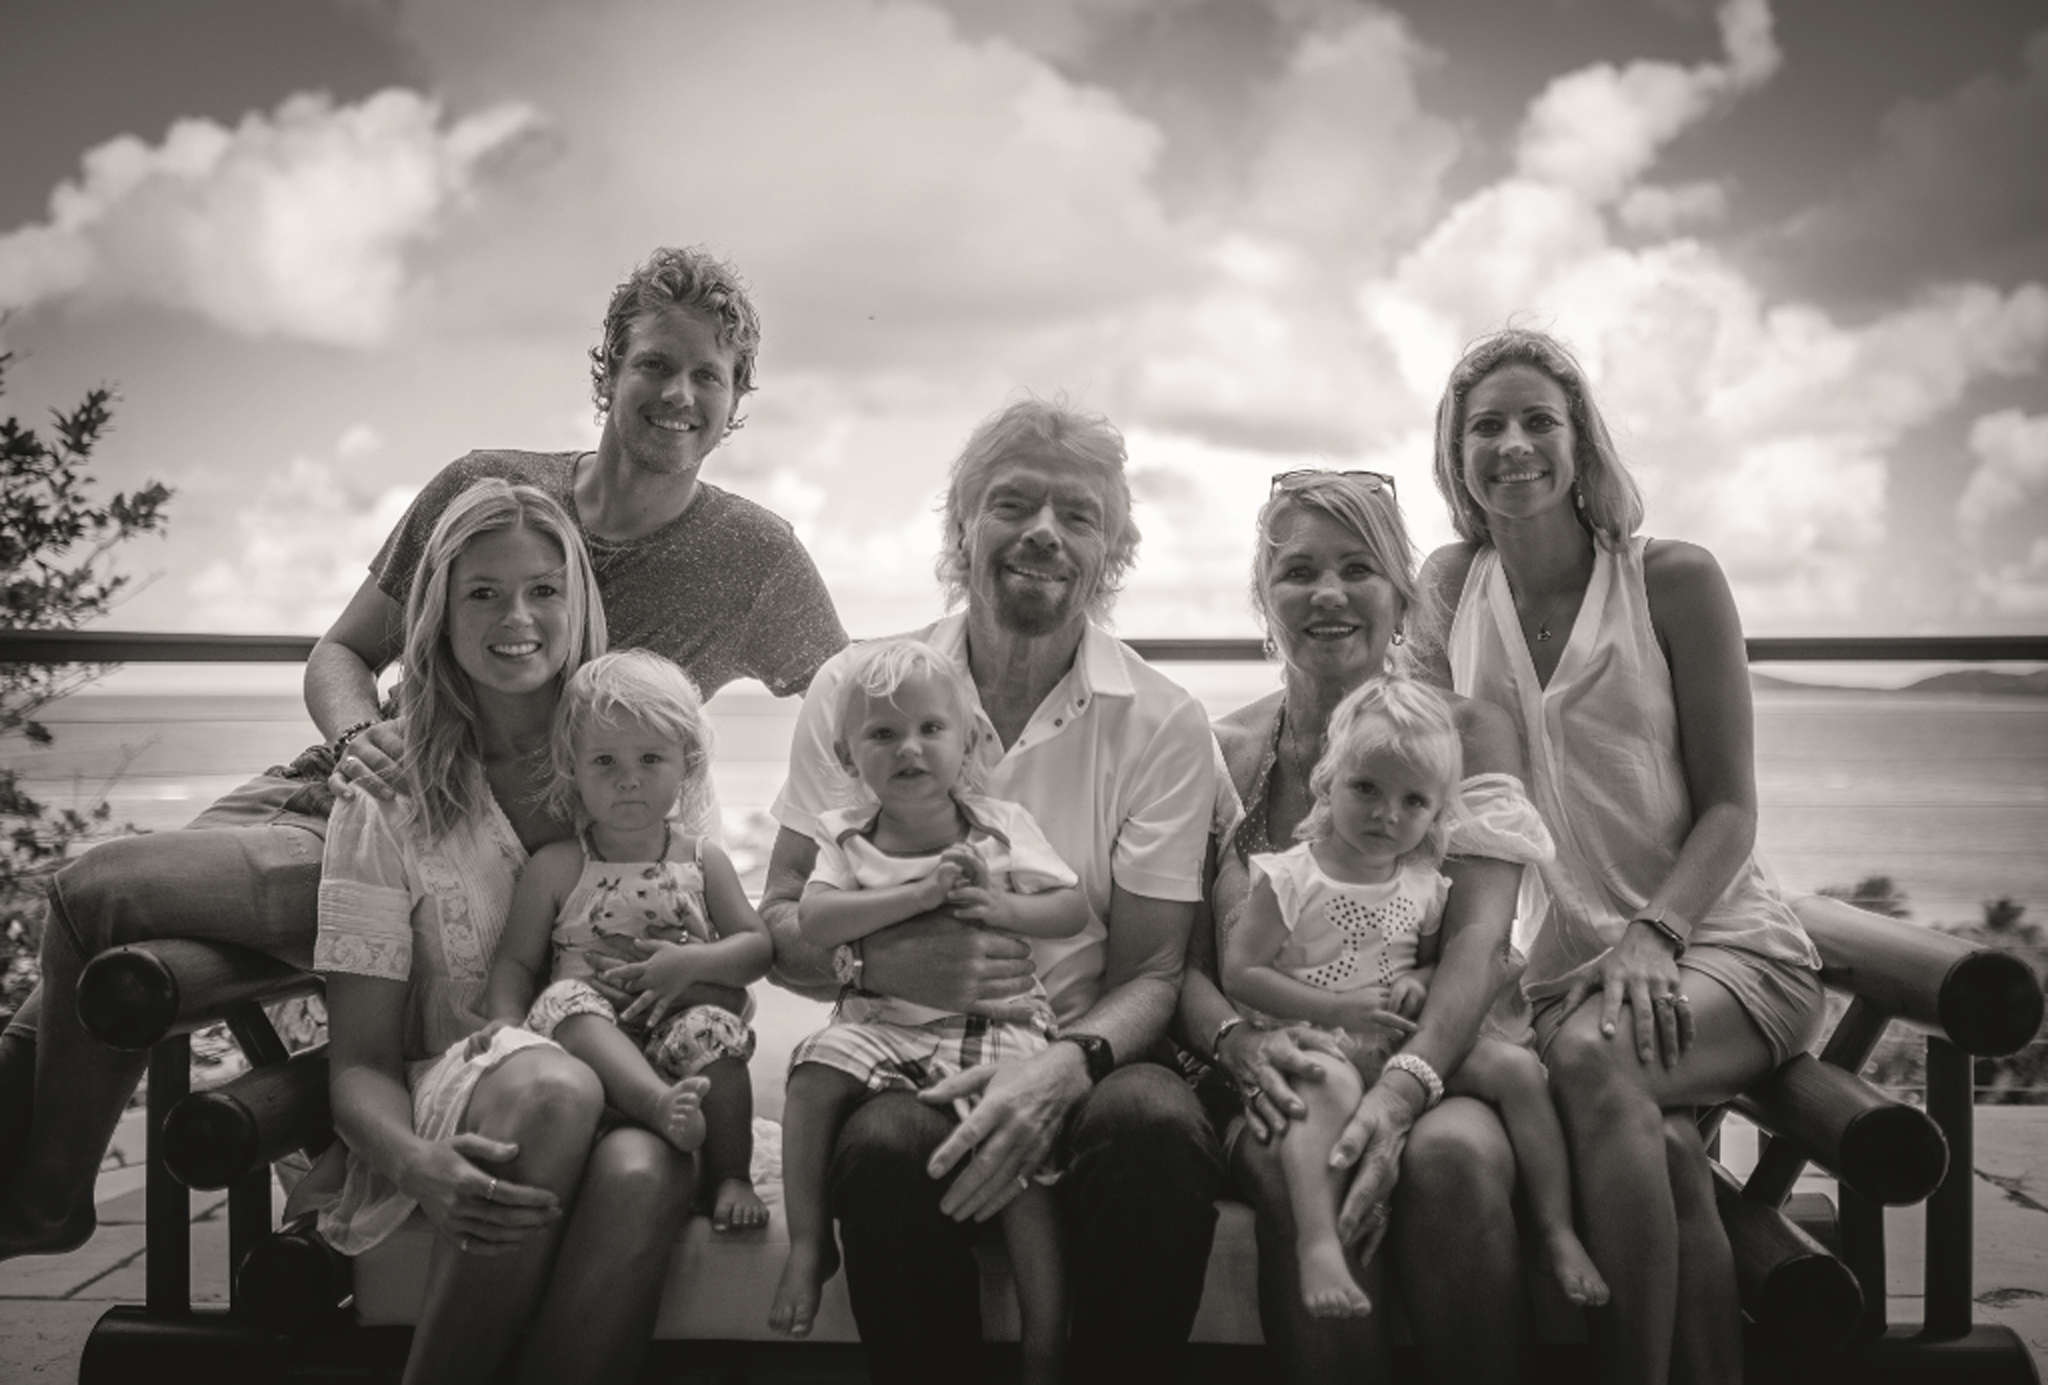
(1328, 1288)
(816, 1106)
(1511, 1079)
(729, 1147)
(672, 1110)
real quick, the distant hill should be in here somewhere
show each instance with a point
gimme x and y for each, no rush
(1982, 681)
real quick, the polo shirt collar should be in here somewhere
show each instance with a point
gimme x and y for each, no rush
(1099, 664)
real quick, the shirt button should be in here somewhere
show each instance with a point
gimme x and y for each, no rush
(1059, 721)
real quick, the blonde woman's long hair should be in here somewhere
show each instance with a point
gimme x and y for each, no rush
(443, 728)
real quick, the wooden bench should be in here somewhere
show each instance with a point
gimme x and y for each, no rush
(1811, 1274)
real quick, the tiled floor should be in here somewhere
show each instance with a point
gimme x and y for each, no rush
(49, 1304)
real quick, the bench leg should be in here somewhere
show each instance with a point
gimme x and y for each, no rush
(167, 1214)
(1950, 1215)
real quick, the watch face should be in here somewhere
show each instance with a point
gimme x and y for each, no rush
(845, 970)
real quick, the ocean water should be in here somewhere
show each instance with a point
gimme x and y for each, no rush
(1947, 794)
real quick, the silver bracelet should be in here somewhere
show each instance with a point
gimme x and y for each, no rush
(1222, 1033)
(1417, 1067)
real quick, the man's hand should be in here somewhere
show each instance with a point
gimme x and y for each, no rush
(938, 961)
(370, 762)
(1019, 1108)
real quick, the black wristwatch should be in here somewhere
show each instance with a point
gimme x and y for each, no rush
(1095, 1052)
(1672, 928)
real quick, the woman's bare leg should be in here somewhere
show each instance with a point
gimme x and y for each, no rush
(1456, 1249)
(813, 1111)
(1031, 1234)
(598, 1314)
(476, 1307)
(1613, 1107)
(1314, 1190)
(1706, 1348)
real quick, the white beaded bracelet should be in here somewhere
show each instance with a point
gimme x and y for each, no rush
(1417, 1067)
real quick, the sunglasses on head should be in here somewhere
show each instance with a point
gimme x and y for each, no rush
(1295, 480)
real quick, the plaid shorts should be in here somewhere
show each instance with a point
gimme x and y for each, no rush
(911, 1057)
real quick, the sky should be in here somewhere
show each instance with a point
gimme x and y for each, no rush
(322, 247)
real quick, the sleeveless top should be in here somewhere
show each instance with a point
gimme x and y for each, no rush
(616, 900)
(1601, 743)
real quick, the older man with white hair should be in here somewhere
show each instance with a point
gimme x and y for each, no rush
(1117, 764)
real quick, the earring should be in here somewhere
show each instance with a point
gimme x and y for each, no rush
(1271, 647)
(1400, 636)
(1578, 496)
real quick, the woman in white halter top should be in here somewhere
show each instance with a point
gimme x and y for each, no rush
(1664, 970)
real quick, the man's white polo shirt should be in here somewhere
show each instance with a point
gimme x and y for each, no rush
(1117, 764)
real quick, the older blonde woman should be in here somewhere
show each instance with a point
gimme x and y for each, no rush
(1333, 581)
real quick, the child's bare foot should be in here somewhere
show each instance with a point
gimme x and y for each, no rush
(737, 1207)
(1327, 1287)
(1574, 1270)
(679, 1114)
(805, 1273)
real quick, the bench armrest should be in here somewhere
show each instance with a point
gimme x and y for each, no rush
(135, 997)
(1983, 1000)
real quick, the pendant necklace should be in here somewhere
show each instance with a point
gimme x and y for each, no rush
(1543, 626)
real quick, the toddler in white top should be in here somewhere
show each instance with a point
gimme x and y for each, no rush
(1341, 932)
(907, 731)
(642, 922)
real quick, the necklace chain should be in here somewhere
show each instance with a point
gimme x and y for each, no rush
(1543, 631)
(1301, 769)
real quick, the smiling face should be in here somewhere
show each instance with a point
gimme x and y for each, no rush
(907, 747)
(1329, 604)
(628, 774)
(672, 395)
(1035, 544)
(1380, 809)
(1518, 444)
(508, 613)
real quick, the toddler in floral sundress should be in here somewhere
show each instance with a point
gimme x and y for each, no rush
(642, 909)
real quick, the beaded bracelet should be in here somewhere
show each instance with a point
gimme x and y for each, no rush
(350, 733)
(1417, 1067)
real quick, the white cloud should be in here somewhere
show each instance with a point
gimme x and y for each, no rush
(1351, 159)
(291, 224)
(1596, 130)
(898, 192)
(2012, 469)
(2018, 589)
(1663, 211)
(305, 548)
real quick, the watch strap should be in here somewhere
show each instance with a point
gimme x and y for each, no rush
(1096, 1053)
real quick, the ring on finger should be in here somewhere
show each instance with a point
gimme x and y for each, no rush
(1023, 1183)
(491, 1193)
(464, 1245)
(1681, 1000)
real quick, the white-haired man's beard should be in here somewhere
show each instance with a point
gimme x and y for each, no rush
(1031, 594)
